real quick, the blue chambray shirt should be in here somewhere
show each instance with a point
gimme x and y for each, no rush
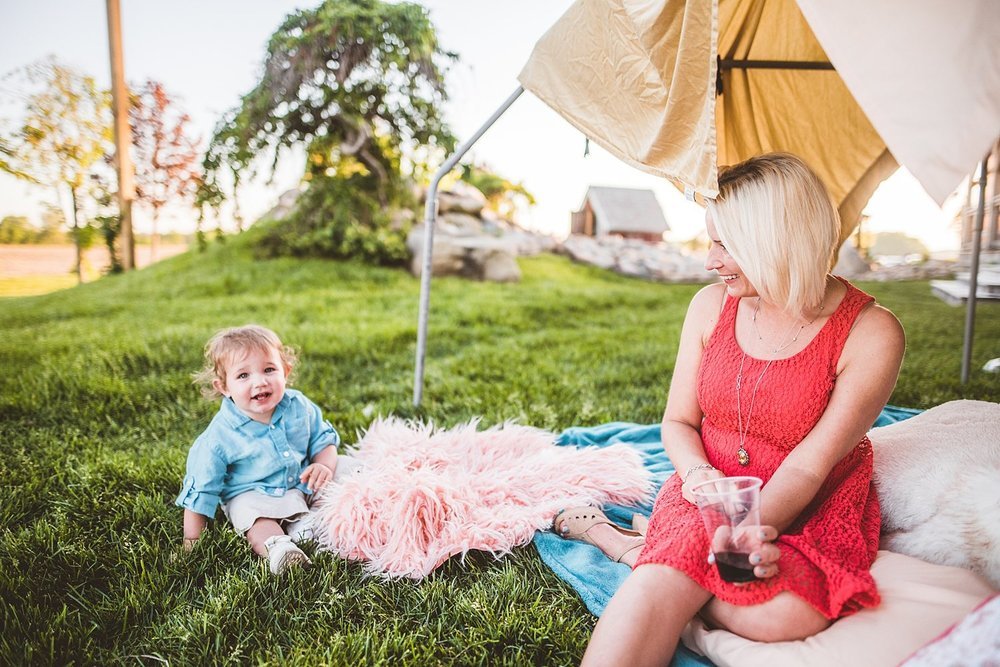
(236, 454)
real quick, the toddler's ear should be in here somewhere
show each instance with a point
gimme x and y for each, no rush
(220, 386)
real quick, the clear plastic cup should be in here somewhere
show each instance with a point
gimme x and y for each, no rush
(730, 510)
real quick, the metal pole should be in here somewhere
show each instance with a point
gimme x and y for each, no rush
(123, 135)
(430, 217)
(970, 308)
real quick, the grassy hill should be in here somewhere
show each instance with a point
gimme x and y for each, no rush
(98, 410)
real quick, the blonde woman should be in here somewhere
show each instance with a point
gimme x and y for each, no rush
(781, 370)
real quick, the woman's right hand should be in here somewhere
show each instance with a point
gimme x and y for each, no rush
(697, 477)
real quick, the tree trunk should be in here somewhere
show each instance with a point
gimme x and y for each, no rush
(76, 236)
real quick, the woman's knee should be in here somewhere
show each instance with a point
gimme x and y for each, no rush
(783, 618)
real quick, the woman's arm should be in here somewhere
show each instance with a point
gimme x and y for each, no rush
(681, 426)
(867, 371)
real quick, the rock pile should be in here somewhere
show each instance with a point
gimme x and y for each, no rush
(851, 265)
(932, 268)
(659, 262)
(469, 242)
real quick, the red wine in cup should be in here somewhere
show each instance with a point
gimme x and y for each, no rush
(734, 566)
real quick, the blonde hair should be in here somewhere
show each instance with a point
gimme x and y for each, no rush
(225, 344)
(776, 219)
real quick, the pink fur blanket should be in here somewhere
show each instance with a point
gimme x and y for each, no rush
(423, 495)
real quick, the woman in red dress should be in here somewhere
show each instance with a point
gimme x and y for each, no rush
(781, 371)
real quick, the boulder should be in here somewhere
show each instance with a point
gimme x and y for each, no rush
(457, 223)
(461, 198)
(588, 250)
(475, 257)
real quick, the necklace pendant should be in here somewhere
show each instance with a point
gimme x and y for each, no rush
(743, 457)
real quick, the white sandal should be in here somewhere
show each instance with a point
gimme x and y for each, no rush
(283, 554)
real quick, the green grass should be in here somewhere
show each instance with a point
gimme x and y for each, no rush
(32, 285)
(97, 411)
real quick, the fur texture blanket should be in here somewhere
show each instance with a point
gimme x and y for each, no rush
(423, 495)
(938, 481)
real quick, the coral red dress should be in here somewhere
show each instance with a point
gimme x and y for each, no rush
(826, 554)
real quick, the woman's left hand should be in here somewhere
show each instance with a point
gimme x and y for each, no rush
(315, 476)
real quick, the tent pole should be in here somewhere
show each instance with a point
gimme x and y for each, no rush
(430, 217)
(977, 233)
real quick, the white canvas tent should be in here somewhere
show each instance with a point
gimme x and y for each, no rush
(677, 87)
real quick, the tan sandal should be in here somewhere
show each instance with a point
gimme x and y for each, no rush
(576, 522)
(640, 523)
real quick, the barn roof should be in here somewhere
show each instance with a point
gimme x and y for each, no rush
(626, 210)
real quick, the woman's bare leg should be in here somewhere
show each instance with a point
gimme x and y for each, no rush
(785, 617)
(643, 622)
(613, 542)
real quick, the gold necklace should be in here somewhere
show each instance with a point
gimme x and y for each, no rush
(742, 456)
(783, 345)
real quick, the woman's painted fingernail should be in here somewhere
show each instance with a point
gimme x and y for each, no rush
(762, 534)
(755, 559)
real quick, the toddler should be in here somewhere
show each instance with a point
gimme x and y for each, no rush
(264, 452)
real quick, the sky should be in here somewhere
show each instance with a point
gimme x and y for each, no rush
(210, 53)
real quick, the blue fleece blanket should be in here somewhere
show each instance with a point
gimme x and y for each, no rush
(593, 576)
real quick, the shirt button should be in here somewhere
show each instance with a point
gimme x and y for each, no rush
(291, 479)
(285, 454)
(272, 427)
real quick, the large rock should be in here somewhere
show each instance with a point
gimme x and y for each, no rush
(461, 198)
(588, 250)
(476, 257)
(457, 223)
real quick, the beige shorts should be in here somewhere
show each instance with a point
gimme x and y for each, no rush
(246, 508)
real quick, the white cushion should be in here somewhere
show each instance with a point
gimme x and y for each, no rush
(919, 602)
(974, 641)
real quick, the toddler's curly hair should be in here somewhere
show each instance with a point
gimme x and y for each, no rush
(225, 344)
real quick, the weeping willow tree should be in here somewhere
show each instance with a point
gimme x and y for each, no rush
(360, 85)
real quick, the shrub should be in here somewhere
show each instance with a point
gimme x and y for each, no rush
(339, 218)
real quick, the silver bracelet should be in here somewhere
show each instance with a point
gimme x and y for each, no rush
(700, 466)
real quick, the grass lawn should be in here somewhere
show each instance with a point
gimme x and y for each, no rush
(98, 411)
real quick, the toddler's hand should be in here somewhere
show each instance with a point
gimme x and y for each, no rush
(315, 476)
(184, 551)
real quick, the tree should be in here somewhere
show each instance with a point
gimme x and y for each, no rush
(66, 130)
(107, 218)
(502, 196)
(357, 83)
(53, 222)
(165, 155)
(17, 229)
(7, 164)
(888, 244)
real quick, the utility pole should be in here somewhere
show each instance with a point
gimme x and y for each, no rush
(123, 135)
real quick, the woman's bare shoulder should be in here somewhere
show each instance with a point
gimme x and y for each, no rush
(709, 299)
(705, 308)
(878, 321)
(876, 333)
